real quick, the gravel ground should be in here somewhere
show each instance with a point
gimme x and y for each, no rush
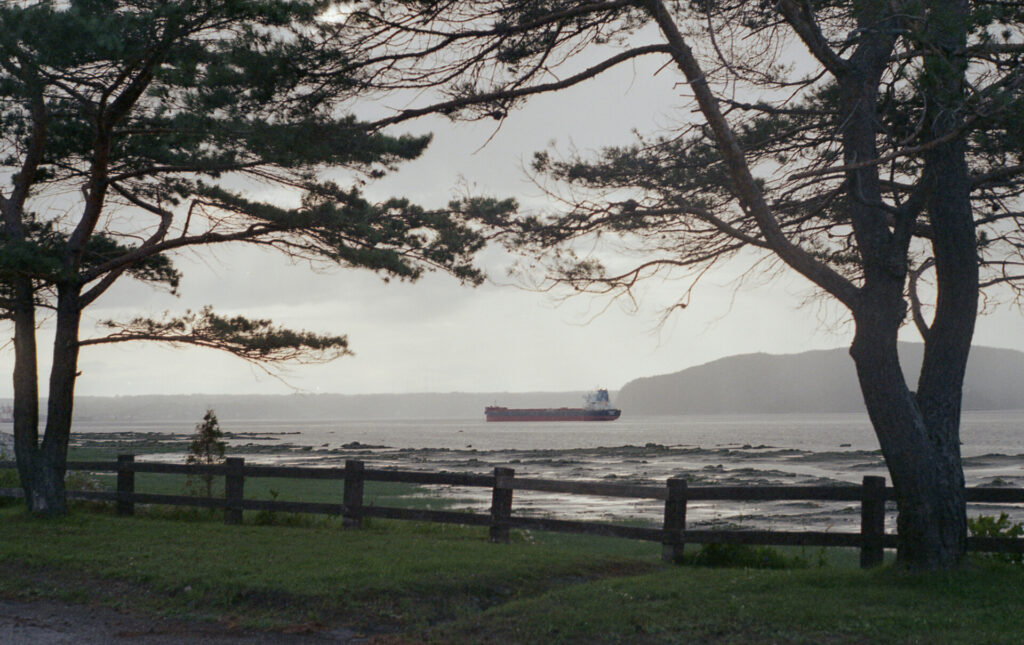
(56, 623)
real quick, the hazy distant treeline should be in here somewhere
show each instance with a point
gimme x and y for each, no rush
(312, 406)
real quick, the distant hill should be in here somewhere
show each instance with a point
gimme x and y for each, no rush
(816, 381)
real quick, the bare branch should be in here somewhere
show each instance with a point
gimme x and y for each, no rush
(915, 300)
(448, 107)
(749, 193)
(800, 16)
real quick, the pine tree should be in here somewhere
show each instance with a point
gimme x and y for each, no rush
(207, 447)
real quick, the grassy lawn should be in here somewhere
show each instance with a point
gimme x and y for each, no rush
(693, 604)
(438, 583)
(385, 576)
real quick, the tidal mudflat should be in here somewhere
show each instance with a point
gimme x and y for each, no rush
(786, 450)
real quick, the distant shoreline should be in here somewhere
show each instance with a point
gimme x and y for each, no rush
(187, 415)
(815, 382)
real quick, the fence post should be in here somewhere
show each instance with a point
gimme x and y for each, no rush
(125, 485)
(352, 497)
(234, 487)
(501, 504)
(675, 521)
(872, 521)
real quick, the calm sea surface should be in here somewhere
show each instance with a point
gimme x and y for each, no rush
(747, 450)
(981, 433)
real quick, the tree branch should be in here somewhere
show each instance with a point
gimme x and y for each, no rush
(915, 301)
(747, 189)
(800, 17)
(254, 340)
(448, 107)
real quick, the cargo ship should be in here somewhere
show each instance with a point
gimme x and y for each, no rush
(597, 408)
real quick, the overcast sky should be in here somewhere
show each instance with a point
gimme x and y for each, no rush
(438, 336)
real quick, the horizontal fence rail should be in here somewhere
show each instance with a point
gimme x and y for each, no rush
(872, 495)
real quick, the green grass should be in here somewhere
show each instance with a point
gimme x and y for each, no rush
(389, 573)
(977, 605)
(90, 451)
(443, 584)
(283, 489)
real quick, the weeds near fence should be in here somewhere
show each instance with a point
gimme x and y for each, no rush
(997, 527)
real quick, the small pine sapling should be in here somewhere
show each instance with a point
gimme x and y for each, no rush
(207, 447)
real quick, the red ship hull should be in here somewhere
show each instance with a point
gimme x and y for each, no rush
(496, 413)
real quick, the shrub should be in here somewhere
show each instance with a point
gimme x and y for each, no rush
(743, 555)
(997, 527)
(83, 481)
(78, 480)
(9, 479)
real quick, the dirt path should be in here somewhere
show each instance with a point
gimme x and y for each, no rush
(55, 623)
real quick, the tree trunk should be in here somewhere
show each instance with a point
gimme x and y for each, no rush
(42, 467)
(44, 485)
(31, 466)
(948, 340)
(924, 464)
(60, 406)
(919, 434)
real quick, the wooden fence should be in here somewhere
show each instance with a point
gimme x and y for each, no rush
(676, 494)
